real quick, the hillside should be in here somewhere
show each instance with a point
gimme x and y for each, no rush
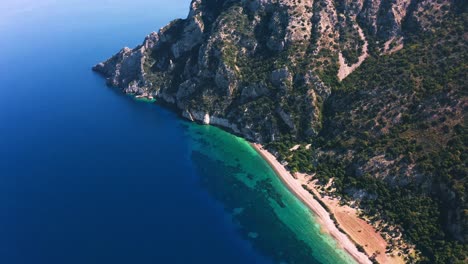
(374, 89)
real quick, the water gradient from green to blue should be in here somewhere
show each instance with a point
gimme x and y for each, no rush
(89, 175)
(267, 213)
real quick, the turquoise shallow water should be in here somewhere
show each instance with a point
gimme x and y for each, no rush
(89, 175)
(267, 213)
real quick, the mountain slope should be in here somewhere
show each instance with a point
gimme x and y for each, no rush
(376, 87)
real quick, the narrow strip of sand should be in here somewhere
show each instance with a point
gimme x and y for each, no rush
(322, 215)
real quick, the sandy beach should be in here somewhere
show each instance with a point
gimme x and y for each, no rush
(360, 231)
(323, 216)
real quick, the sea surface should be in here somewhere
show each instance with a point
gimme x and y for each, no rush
(89, 175)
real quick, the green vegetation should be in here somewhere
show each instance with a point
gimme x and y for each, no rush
(393, 131)
(408, 109)
(392, 135)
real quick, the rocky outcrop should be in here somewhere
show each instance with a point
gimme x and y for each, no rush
(273, 70)
(238, 59)
(234, 59)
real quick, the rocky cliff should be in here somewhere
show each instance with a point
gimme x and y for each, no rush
(357, 79)
(235, 59)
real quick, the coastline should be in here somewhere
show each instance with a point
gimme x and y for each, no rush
(322, 215)
(340, 222)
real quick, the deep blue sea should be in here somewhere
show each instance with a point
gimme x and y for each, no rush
(89, 175)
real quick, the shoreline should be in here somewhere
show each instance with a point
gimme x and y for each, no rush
(325, 208)
(322, 215)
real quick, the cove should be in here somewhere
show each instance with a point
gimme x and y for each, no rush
(88, 175)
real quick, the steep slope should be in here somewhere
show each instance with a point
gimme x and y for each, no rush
(376, 87)
(397, 126)
(230, 60)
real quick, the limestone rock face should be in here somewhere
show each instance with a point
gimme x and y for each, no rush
(253, 91)
(124, 68)
(281, 77)
(241, 61)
